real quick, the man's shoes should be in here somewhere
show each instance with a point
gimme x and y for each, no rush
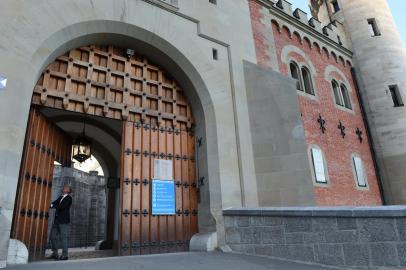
(63, 258)
(53, 257)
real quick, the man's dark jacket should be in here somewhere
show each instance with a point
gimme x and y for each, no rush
(62, 213)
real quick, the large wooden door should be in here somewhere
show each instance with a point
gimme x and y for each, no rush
(157, 123)
(44, 144)
(140, 231)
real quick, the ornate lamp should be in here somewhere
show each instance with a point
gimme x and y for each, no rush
(82, 147)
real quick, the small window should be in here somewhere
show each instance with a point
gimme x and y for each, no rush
(294, 72)
(318, 166)
(396, 96)
(346, 97)
(213, 2)
(215, 54)
(335, 6)
(307, 81)
(373, 28)
(359, 172)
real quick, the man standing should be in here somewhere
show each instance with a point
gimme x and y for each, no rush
(60, 227)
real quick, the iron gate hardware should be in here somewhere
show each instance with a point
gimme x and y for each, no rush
(135, 245)
(177, 156)
(162, 129)
(136, 181)
(128, 151)
(137, 125)
(145, 212)
(162, 155)
(29, 213)
(154, 154)
(127, 181)
(137, 152)
(186, 212)
(185, 184)
(23, 212)
(170, 156)
(125, 246)
(194, 212)
(179, 212)
(126, 213)
(178, 184)
(136, 213)
(145, 182)
(201, 181)
(185, 158)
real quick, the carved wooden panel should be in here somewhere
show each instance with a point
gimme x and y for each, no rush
(44, 144)
(104, 81)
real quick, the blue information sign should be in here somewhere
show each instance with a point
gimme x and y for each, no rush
(163, 197)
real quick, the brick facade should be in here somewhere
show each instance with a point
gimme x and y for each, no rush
(338, 151)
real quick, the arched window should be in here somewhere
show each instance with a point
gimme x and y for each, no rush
(307, 81)
(294, 72)
(319, 166)
(341, 95)
(337, 93)
(346, 97)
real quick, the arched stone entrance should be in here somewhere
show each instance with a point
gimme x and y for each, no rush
(112, 82)
(183, 50)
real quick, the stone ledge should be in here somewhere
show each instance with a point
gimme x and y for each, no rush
(371, 211)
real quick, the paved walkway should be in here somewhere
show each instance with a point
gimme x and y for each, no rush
(178, 261)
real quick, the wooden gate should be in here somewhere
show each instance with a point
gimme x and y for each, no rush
(157, 123)
(44, 144)
(142, 232)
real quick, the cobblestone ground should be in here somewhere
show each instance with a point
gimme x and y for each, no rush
(178, 261)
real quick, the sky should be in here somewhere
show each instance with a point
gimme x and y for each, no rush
(397, 6)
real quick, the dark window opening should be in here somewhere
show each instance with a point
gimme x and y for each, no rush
(215, 54)
(307, 81)
(373, 28)
(213, 2)
(396, 96)
(335, 6)
(294, 72)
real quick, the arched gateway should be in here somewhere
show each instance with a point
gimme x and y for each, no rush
(157, 123)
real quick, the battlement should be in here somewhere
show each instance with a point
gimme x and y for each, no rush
(334, 31)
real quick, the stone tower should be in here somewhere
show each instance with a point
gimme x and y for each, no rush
(380, 67)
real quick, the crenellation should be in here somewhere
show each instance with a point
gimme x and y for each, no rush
(301, 15)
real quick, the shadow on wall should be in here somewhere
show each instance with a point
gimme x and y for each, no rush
(88, 211)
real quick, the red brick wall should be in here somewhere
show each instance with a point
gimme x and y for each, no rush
(342, 188)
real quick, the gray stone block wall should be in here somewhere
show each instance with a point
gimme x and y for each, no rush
(362, 238)
(88, 211)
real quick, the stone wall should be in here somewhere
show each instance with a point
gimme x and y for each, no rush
(88, 211)
(366, 238)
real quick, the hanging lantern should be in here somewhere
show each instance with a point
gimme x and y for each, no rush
(82, 147)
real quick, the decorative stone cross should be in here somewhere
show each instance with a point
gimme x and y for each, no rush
(322, 123)
(359, 134)
(341, 127)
